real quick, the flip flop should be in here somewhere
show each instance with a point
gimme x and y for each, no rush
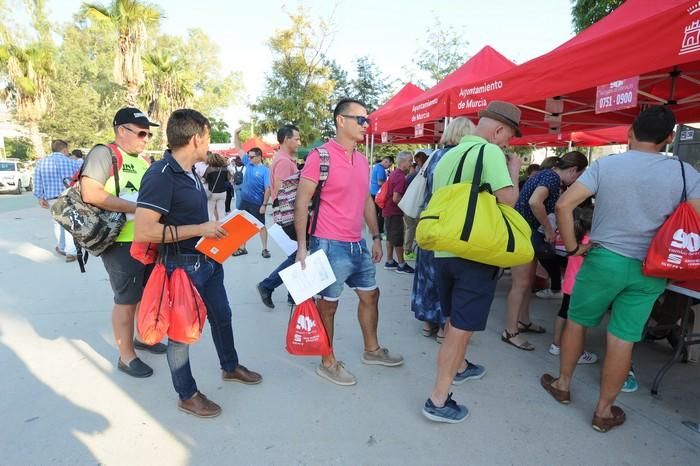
(530, 328)
(429, 332)
(239, 252)
(507, 337)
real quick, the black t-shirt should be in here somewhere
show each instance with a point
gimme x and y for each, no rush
(216, 179)
(177, 195)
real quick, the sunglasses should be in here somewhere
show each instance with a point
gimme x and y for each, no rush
(361, 120)
(140, 134)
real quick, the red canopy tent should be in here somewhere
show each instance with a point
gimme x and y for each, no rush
(432, 106)
(406, 94)
(267, 150)
(659, 41)
(592, 138)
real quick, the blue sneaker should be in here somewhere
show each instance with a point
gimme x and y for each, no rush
(472, 372)
(452, 413)
(405, 268)
(631, 384)
(391, 265)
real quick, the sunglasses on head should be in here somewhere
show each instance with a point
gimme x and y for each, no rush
(140, 134)
(361, 120)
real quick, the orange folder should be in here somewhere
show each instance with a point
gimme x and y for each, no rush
(240, 225)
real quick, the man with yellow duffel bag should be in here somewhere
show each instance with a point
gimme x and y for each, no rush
(473, 234)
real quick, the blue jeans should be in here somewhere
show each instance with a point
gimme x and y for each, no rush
(273, 280)
(351, 264)
(208, 277)
(237, 194)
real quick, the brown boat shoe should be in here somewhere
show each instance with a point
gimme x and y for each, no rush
(604, 424)
(242, 375)
(561, 396)
(200, 406)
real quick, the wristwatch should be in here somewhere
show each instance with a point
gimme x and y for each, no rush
(376, 237)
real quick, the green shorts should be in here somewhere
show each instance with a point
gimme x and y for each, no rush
(606, 279)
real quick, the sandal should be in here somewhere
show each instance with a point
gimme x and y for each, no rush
(507, 337)
(429, 329)
(530, 328)
(440, 336)
(239, 252)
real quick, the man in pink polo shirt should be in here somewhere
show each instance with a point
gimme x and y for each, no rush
(344, 202)
(283, 166)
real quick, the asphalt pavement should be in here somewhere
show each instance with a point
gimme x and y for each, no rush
(64, 402)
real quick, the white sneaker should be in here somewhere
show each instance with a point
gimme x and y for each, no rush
(588, 358)
(549, 294)
(554, 350)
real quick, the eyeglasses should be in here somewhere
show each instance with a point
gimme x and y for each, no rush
(361, 120)
(140, 134)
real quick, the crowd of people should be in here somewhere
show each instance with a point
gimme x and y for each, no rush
(599, 249)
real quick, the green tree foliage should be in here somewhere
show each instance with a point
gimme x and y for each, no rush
(586, 12)
(369, 86)
(19, 148)
(219, 131)
(130, 20)
(441, 51)
(298, 86)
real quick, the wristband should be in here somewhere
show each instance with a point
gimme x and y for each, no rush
(571, 253)
(376, 237)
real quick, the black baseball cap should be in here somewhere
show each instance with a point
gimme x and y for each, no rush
(132, 115)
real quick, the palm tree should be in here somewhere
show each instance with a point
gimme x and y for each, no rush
(131, 19)
(168, 86)
(28, 91)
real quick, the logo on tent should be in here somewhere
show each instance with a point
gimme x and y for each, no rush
(691, 38)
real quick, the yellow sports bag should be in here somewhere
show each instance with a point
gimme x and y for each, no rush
(466, 220)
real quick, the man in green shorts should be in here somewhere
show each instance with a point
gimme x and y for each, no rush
(624, 223)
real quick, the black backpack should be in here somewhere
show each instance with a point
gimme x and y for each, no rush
(237, 176)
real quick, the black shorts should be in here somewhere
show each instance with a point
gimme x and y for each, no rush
(126, 274)
(466, 291)
(394, 230)
(253, 209)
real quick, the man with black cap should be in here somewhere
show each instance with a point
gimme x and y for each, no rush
(467, 288)
(126, 275)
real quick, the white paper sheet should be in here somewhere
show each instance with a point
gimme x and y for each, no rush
(303, 284)
(283, 240)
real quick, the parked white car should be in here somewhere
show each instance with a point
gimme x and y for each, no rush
(15, 176)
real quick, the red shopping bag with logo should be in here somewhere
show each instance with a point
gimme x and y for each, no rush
(675, 250)
(154, 311)
(188, 312)
(382, 196)
(306, 335)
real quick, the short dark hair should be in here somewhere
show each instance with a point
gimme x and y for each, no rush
(533, 167)
(183, 124)
(58, 145)
(342, 107)
(286, 132)
(77, 153)
(572, 159)
(389, 158)
(257, 151)
(654, 124)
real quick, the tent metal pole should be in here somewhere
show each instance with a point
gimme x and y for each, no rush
(590, 154)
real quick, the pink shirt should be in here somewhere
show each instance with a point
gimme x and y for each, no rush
(283, 166)
(344, 194)
(572, 267)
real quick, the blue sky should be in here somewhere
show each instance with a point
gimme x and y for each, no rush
(388, 31)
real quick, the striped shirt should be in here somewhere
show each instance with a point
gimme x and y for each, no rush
(50, 173)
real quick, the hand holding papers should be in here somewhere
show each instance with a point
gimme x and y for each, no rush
(303, 284)
(240, 225)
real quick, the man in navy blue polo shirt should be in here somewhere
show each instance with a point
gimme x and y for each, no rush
(172, 194)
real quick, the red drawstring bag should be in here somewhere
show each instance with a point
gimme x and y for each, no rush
(188, 312)
(154, 311)
(306, 335)
(144, 252)
(382, 196)
(675, 250)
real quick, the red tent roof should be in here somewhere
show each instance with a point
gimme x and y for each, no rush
(659, 41)
(592, 138)
(433, 103)
(267, 149)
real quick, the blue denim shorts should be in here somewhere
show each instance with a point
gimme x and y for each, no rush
(351, 264)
